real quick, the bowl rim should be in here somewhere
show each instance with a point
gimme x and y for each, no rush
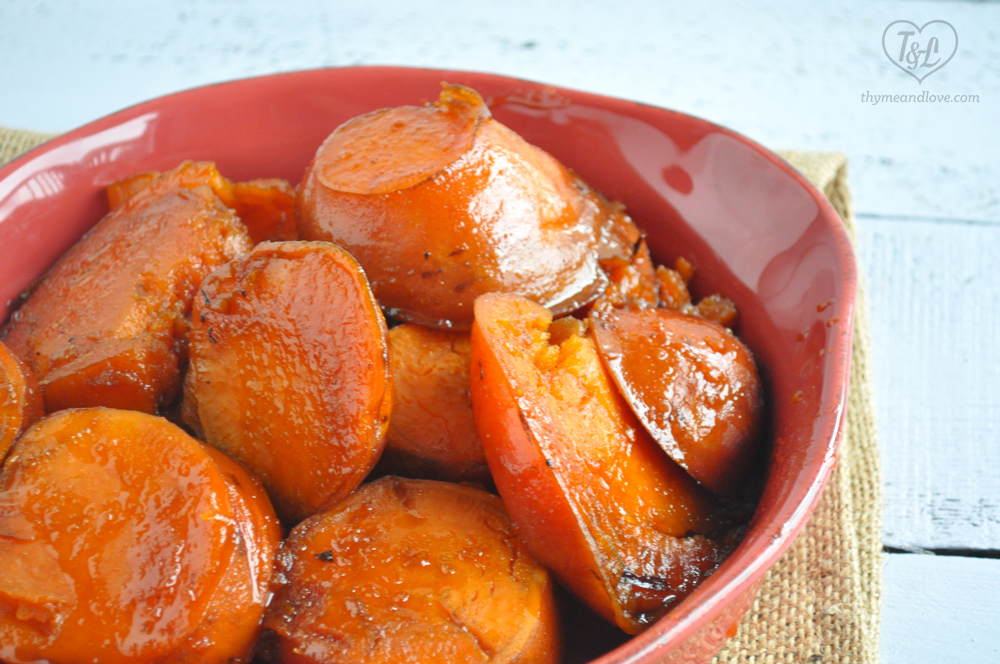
(707, 602)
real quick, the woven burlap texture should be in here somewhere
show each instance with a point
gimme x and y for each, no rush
(820, 603)
(14, 141)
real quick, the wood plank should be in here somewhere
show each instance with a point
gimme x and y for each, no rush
(940, 609)
(934, 298)
(787, 74)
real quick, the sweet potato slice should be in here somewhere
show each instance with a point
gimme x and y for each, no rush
(107, 326)
(442, 203)
(116, 529)
(594, 497)
(432, 433)
(289, 371)
(412, 571)
(693, 385)
(231, 627)
(20, 399)
(266, 207)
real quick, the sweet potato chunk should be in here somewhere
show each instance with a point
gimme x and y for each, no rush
(442, 203)
(20, 399)
(266, 207)
(107, 326)
(432, 433)
(594, 497)
(289, 371)
(693, 385)
(412, 571)
(632, 284)
(121, 191)
(231, 627)
(118, 532)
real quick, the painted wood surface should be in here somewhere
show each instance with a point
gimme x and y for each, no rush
(940, 609)
(934, 298)
(789, 74)
(925, 177)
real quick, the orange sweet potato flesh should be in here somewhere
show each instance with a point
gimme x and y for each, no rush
(232, 625)
(107, 325)
(116, 529)
(266, 207)
(432, 433)
(594, 497)
(693, 385)
(412, 572)
(20, 399)
(442, 203)
(289, 371)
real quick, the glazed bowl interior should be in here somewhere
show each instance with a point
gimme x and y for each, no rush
(753, 228)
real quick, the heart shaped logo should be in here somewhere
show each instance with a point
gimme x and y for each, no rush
(920, 51)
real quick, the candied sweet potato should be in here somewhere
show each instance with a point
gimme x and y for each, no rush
(432, 433)
(266, 207)
(442, 203)
(289, 371)
(107, 325)
(20, 399)
(693, 385)
(413, 571)
(593, 496)
(631, 284)
(232, 624)
(119, 536)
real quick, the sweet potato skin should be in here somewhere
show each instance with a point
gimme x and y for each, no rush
(412, 571)
(432, 432)
(692, 384)
(118, 528)
(289, 372)
(107, 325)
(20, 399)
(493, 214)
(593, 496)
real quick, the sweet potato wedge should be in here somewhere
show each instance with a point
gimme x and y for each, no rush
(432, 433)
(593, 496)
(692, 384)
(107, 326)
(266, 207)
(20, 399)
(289, 371)
(442, 203)
(118, 532)
(412, 571)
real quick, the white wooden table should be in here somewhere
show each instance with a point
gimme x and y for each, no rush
(925, 176)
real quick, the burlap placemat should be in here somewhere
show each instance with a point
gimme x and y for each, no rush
(820, 603)
(15, 141)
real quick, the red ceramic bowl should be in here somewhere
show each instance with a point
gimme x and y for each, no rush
(754, 228)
